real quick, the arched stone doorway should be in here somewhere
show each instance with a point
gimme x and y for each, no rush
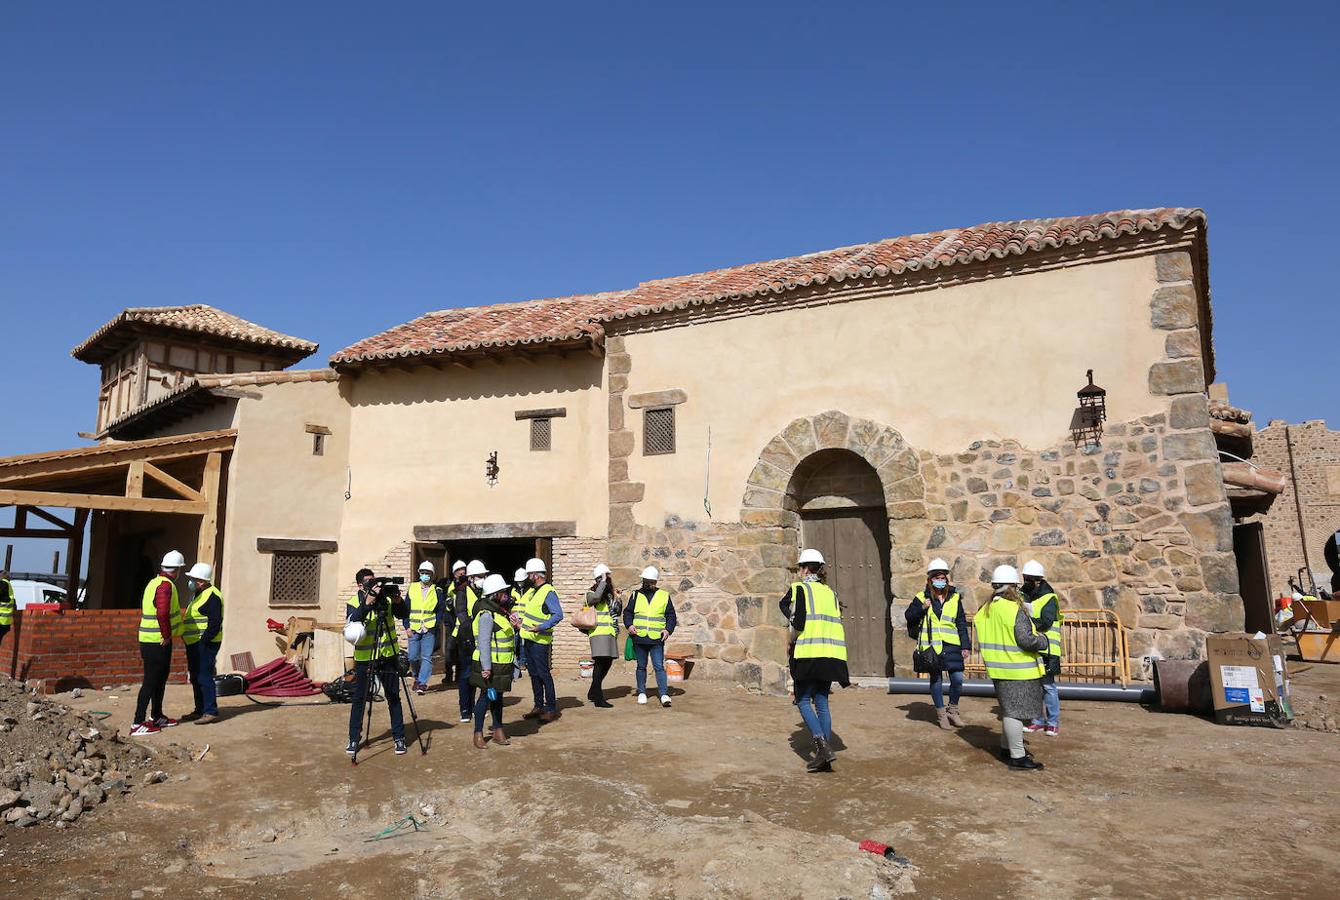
(840, 501)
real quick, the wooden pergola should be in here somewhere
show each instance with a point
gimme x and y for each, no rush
(179, 475)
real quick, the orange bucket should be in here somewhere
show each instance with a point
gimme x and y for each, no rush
(674, 670)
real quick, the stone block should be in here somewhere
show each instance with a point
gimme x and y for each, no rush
(732, 653)
(1191, 411)
(1174, 266)
(1220, 571)
(778, 556)
(1118, 545)
(768, 582)
(619, 469)
(1214, 612)
(621, 444)
(627, 491)
(1173, 307)
(1051, 537)
(1204, 484)
(907, 489)
(831, 427)
(1065, 568)
(1184, 643)
(1008, 538)
(768, 643)
(618, 384)
(909, 509)
(937, 538)
(616, 422)
(778, 454)
(618, 363)
(671, 397)
(765, 517)
(1211, 529)
(769, 477)
(899, 466)
(906, 586)
(799, 436)
(1065, 486)
(1179, 376)
(757, 498)
(1160, 621)
(750, 610)
(862, 436)
(1182, 344)
(749, 675)
(1191, 445)
(958, 510)
(621, 519)
(977, 485)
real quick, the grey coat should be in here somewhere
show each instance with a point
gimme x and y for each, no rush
(1022, 699)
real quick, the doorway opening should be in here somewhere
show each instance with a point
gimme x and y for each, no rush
(501, 555)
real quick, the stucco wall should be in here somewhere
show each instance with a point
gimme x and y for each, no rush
(936, 364)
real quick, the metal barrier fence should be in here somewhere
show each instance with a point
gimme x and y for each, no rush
(1093, 648)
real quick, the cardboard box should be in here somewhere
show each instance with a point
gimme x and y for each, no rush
(1248, 680)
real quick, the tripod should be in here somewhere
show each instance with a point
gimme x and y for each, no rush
(376, 666)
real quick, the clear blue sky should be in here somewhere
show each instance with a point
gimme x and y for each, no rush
(331, 169)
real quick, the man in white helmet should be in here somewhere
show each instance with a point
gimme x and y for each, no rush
(1012, 654)
(649, 616)
(451, 644)
(1045, 609)
(540, 611)
(160, 622)
(202, 633)
(467, 596)
(518, 585)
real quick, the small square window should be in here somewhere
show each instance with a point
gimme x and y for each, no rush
(295, 579)
(658, 431)
(541, 433)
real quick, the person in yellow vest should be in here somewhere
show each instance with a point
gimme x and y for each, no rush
(818, 654)
(650, 618)
(467, 596)
(604, 637)
(202, 632)
(1012, 653)
(160, 622)
(375, 650)
(519, 585)
(540, 613)
(6, 605)
(936, 618)
(495, 629)
(451, 643)
(425, 605)
(1044, 607)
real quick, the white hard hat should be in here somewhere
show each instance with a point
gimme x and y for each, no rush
(1033, 567)
(1005, 575)
(476, 568)
(493, 584)
(650, 574)
(811, 556)
(520, 575)
(937, 565)
(174, 560)
(426, 566)
(460, 564)
(534, 565)
(354, 631)
(600, 569)
(201, 572)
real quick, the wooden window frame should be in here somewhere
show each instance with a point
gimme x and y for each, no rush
(647, 415)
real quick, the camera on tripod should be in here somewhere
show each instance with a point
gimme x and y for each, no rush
(388, 590)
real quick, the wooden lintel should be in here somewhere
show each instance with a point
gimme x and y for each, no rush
(135, 478)
(116, 455)
(555, 412)
(295, 545)
(494, 531)
(317, 429)
(54, 520)
(178, 487)
(101, 501)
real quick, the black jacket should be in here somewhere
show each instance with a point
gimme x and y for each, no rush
(670, 619)
(1050, 612)
(915, 612)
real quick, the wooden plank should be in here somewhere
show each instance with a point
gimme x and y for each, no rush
(113, 456)
(295, 545)
(556, 412)
(492, 530)
(135, 478)
(178, 487)
(209, 521)
(101, 501)
(74, 559)
(54, 520)
(34, 533)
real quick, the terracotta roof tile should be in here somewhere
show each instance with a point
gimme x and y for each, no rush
(577, 319)
(197, 317)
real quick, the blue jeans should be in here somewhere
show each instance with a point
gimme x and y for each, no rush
(657, 654)
(541, 679)
(484, 705)
(1051, 703)
(812, 699)
(464, 688)
(200, 658)
(421, 650)
(938, 691)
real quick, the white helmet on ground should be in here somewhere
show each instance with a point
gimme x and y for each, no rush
(600, 569)
(426, 566)
(811, 556)
(650, 574)
(201, 572)
(937, 565)
(460, 564)
(354, 632)
(519, 575)
(174, 560)
(1005, 575)
(1033, 567)
(476, 567)
(493, 584)
(534, 566)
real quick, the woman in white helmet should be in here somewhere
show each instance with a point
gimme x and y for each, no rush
(495, 629)
(605, 636)
(1012, 652)
(818, 653)
(650, 618)
(936, 619)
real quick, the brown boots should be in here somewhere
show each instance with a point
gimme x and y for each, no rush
(500, 738)
(942, 716)
(479, 740)
(954, 718)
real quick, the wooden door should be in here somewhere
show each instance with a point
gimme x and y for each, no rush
(855, 545)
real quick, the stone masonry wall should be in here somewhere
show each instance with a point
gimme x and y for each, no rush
(1316, 453)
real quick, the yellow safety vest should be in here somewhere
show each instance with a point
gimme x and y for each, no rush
(823, 636)
(387, 646)
(518, 596)
(649, 613)
(471, 598)
(423, 602)
(6, 603)
(502, 640)
(1004, 658)
(150, 633)
(1053, 633)
(194, 622)
(942, 628)
(533, 614)
(604, 620)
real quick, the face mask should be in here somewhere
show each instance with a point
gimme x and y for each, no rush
(426, 579)
(939, 583)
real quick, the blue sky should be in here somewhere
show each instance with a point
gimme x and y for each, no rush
(330, 169)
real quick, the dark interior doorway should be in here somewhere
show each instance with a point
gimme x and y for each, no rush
(503, 556)
(1258, 606)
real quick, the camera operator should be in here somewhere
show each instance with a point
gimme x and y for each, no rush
(374, 601)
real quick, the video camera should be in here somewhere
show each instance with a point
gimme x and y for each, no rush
(388, 590)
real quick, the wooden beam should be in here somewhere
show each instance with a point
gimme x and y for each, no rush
(74, 559)
(21, 517)
(34, 533)
(54, 520)
(294, 545)
(494, 531)
(180, 488)
(135, 478)
(554, 412)
(114, 455)
(209, 521)
(102, 501)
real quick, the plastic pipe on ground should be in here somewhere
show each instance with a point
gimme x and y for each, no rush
(1132, 694)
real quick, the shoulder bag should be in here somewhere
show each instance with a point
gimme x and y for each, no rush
(926, 659)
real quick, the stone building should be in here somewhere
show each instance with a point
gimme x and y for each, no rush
(887, 402)
(1308, 455)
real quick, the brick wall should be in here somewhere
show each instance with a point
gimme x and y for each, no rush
(1316, 457)
(79, 648)
(574, 558)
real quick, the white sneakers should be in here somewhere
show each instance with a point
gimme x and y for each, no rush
(641, 699)
(665, 701)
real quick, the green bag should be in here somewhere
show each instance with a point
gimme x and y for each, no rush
(628, 653)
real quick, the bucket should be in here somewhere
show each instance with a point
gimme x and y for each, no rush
(674, 670)
(586, 666)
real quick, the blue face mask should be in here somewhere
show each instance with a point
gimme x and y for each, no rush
(939, 583)
(426, 578)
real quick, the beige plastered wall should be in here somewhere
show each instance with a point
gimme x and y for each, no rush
(937, 365)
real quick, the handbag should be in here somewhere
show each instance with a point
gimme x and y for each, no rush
(584, 619)
(628, 653)
(926, 659)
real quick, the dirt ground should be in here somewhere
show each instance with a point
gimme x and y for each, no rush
(709, 798)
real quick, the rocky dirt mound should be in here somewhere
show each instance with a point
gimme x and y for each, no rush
(57, 764)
